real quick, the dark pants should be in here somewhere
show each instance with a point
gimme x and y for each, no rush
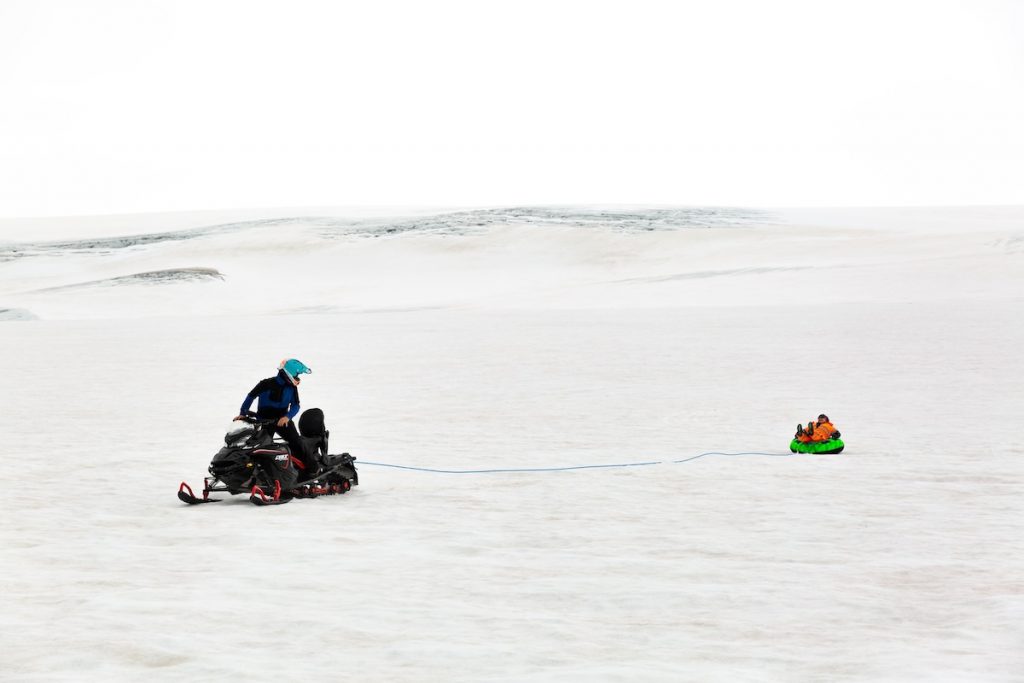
(298, 448)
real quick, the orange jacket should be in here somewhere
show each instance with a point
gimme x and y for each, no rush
(823, 431)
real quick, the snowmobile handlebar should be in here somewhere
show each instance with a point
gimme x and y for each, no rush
(253, 419)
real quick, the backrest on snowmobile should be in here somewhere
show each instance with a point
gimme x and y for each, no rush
(311, 423)
(314, 432)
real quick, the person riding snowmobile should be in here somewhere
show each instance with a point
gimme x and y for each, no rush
(822, 430)
(279, 400)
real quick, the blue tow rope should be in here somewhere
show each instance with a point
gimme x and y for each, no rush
(569, 467)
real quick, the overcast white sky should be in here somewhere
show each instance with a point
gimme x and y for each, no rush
(111, 107)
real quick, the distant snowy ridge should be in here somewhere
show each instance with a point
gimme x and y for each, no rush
(700, 274)
(1014, 244)
(530, 257)
(152, 277)
(105, 245)
(452, 223)
(16, 314)
(623, 220)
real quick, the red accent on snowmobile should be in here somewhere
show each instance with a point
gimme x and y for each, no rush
(259, 497)
(186, 495)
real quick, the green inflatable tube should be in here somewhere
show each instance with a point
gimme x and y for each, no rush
(829, 447)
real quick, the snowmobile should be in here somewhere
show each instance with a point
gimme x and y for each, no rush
(252, 461)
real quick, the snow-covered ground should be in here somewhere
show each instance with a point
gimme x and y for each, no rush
(528, 338)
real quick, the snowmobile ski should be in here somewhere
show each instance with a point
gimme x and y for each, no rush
(259, 497)
(185, 495)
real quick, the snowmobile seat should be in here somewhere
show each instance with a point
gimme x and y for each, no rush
(314, 432)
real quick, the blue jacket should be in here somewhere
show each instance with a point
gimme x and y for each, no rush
(277, 395)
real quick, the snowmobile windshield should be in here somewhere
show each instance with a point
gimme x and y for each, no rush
(238, 432)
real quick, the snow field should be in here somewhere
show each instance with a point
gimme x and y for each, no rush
(901, 559)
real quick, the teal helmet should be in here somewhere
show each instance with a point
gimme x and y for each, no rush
(293, 367)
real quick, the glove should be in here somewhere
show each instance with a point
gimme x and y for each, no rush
(836, 434)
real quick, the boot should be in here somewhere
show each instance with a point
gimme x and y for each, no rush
(799, 431)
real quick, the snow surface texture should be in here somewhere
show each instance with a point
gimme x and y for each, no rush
(521, 338)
